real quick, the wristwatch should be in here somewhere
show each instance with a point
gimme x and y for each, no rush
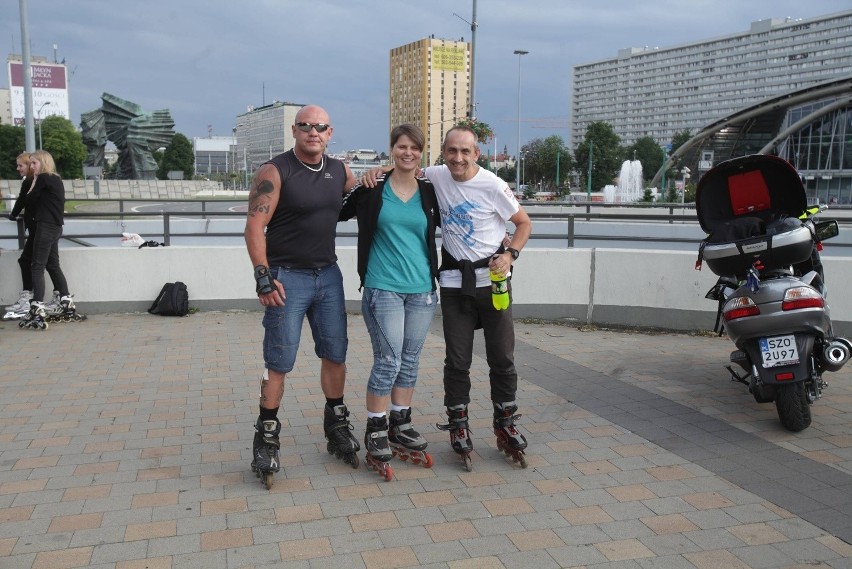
(514, 252)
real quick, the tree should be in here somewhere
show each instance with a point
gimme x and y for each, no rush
(178, 156)
(482, 129)
(606, 155)
(65, 144)
(541, 158)
(648, 153)
(12, 143)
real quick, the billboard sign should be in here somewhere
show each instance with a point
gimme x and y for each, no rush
(448, 58)
(50, 85)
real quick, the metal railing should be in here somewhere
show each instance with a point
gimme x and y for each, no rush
(569, 212)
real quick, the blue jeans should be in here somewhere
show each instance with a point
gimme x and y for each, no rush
(317, 293)
(398, 324)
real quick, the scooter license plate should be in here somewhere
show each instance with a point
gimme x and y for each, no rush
(779, 351)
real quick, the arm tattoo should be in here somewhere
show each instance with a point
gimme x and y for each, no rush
(259, 197)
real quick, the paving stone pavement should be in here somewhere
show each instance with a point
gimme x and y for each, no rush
(125, 442)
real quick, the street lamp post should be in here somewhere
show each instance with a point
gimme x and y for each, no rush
(519, 53)
(39, 122)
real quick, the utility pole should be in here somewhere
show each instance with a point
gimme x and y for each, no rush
(589, 176)
(471, 115)
(29, 125)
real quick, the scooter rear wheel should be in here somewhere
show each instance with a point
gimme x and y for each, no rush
(791, 401)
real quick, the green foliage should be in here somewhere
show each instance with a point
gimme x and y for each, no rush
(606, 155)
(689, 193)
(672, 195)
(65, 144)
(482, 129)
(507, 173)
(12, 143)
(649, 153)
(540, 160)
(177, 156)
(647, 196)
(680, 139)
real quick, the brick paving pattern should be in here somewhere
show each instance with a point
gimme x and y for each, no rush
(125, 442)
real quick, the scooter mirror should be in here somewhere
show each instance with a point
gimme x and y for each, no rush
(826, 230)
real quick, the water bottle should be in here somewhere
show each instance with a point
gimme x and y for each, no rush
(499, 291)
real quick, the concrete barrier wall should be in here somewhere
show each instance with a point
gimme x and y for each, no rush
(599, 286)
(123, 189)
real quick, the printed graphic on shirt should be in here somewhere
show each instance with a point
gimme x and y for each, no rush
(459, 221)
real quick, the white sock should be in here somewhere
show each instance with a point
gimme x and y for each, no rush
(371, 415)
(398, 408)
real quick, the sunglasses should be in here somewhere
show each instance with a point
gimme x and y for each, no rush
(307, 126)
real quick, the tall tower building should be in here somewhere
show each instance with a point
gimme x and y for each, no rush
(430, 87)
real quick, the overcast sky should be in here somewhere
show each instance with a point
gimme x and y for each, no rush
(207, 60)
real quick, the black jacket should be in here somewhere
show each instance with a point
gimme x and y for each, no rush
(366, 203)
(21, 205)
(46, 201)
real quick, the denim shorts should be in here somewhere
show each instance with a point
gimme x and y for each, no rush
(317, 294)
(398, 324)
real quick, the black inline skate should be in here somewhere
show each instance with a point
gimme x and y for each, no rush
(378, 453)
(64, 311)
(405, 442)
(35, 318)
(265, 450)
(509, 440)
(338, 433)
(459, 433)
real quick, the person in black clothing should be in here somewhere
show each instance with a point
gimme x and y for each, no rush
(22, 306)
(46, 203)
(398, 267)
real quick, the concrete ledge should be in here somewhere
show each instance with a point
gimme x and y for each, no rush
(623, 287)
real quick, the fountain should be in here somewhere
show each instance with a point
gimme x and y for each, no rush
(630, 183)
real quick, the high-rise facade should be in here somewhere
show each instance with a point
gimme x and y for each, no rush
(659, 92)
(262, 133)
(430, 87)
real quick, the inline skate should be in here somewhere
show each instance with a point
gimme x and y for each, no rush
(35, 318)
(405, 442)
(459, 433)
(64, 310)
(20, 308)
(378, 453)
(266, 459)
(338, 432)
(509, 440)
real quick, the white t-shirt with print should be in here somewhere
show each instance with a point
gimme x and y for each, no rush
(473, 218)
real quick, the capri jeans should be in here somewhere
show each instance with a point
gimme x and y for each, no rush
(397, 324)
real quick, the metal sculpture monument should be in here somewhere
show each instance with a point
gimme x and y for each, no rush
(135, 133)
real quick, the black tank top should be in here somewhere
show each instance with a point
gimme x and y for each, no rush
(302, 229)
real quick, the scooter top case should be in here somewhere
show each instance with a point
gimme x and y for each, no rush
(750, 207)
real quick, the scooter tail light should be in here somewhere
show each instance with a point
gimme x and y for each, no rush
(787, 376)
(740, 307)
(800, 297)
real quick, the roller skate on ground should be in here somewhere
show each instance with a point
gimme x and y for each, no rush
(338, 433)
(35, 318)
(376, 445)
(265, 451)
(20, 308)
(509, 440)
(405, 442)
(459, 433)
(63, 311)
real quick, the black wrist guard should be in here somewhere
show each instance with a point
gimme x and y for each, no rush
(263, 279)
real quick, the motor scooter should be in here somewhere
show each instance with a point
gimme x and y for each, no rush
(763, 242)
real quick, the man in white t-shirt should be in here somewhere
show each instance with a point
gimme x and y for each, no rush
(475, 205)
